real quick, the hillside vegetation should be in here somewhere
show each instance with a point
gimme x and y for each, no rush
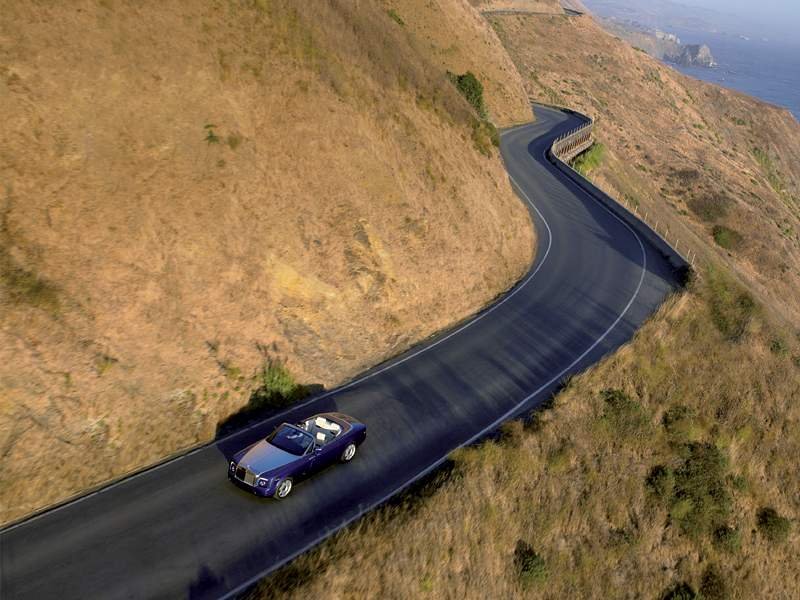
(693, 155)
(210, 204)
(669, 469)
(532, 6)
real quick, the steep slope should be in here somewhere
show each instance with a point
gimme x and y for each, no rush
(706, 161)
(668, 470)
(194, 191)
(455, 37)
(532, 6)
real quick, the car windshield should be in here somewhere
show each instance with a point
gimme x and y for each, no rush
(291, 440)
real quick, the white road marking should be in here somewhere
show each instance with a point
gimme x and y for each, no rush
(314, 399)
(512, 412)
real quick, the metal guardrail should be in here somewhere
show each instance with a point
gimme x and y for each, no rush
(569, 145)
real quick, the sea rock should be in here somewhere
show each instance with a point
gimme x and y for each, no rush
(693, 55)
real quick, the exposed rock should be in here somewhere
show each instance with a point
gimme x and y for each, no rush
(693, 55)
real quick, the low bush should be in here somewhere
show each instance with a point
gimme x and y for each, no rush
(709, 207)
(728, 238)
(624, 415)
(732, 307)
(275, 387)
(727, 539)
(660, 482)
(530, 567)
(712, 584)
(679, 591)
(471, 89)
(586, 162)
(395, 17)
(772, 526)
(778, 347)
(700, 499)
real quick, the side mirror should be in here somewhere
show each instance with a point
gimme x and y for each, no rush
(317, 449)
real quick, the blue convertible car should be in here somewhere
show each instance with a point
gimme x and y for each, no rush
(291, 452)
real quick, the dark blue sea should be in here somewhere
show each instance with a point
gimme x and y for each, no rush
(769, 70)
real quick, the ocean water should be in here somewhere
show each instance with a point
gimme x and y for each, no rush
(768, 70)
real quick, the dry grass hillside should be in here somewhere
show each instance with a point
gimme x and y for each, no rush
(669, 470)
(532, 6)
(720, 168)
(456, 38)
(195, 191)
(651, 471)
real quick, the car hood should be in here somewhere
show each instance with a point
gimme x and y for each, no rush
(263, 456)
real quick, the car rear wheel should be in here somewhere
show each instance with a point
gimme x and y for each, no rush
(284, 488)
(349, 453)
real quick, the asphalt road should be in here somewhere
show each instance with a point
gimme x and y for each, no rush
(182, 530)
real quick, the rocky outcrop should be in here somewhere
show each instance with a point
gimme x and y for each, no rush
(693, 55)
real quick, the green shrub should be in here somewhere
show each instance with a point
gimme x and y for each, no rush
(680, 591)
(626, 416)
(712, 585)
(709, 207)
(471, 89)
(530, 567)
(395, 17)
(728, 238)
(778, 347)
(587, 161)
(700, 499)
(727, 539)
(211, 136)
(732, 307)
(772, 526)
(660, 482)
(275, 387)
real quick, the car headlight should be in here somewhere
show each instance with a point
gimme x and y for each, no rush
(233, 466)
(263, 482)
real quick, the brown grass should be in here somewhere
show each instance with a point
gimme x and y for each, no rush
(670, 466)
(691, 155)
(573, 484)
(188, 185)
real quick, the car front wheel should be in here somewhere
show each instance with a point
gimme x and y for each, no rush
(349, 453)
(284, 488)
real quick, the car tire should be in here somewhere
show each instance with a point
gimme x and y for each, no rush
(348, 453)
(284, 488)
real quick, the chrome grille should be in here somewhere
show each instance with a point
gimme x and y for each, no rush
(246, 475)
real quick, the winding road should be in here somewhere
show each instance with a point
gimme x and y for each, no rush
(182, 530)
